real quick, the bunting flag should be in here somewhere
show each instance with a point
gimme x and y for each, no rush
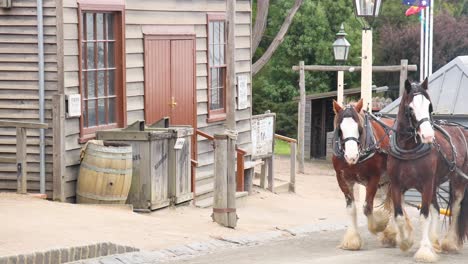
(413, 10)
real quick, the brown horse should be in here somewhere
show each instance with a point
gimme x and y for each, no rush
(422, 157)
(360, 145)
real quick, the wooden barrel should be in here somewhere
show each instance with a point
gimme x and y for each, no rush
(105, 174)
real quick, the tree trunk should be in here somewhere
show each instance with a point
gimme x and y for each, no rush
(260, 23)
(258, 65)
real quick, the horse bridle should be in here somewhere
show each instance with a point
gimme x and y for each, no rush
(360, 129)
(409, 114)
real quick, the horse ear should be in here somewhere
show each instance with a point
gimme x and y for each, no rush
(424, 84)
(407, 86)
(337, 107)
(359, 105)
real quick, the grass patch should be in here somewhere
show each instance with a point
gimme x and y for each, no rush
(282, 147)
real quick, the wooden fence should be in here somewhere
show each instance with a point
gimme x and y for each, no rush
(21, 152)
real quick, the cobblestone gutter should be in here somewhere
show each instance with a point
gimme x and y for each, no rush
(64, 255)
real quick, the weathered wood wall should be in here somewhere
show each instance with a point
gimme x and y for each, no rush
(19, 92)
(167, 12)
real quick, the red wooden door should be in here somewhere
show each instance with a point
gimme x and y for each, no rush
(170, 79)
(182, 82)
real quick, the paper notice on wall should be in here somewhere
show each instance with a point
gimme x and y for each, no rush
(242, 92)
(263, 135)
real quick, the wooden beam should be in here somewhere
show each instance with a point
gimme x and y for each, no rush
(403, 75)
(301, 117)
(287, 139)
(292, 170)
(325, 68)
(16, 124)
(21, 160)
(58, 148)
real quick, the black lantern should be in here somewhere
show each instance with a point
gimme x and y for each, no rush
(341, 46)
(367, 8)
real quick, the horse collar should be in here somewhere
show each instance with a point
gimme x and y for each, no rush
(417, 152)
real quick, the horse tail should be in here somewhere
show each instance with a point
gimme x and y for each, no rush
(388, 203)
(462, 228)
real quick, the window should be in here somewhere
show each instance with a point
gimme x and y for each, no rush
(216, 68)
(101, 71)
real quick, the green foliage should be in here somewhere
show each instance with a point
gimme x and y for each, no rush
(312, 33)
(282, 147)
(309, 38)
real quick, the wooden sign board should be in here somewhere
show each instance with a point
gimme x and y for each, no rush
(263, 135)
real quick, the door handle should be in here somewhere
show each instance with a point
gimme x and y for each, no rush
(173, 102)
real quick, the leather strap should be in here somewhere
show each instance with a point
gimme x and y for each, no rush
(224, 210)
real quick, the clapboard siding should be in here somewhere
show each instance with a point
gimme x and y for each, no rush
(19, 92)
(140, 13)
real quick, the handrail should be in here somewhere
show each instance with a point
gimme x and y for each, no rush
(284, 138)
(292, 170)
(5, 123)
(205, 135)
(240, 161)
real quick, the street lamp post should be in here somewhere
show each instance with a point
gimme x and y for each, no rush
(367, 9)
(341, 51)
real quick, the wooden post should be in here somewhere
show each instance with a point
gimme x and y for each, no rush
(240, 171)
(340, 88)
(403, 75)
(271, 176)
(224, 203)
(231, 66)
(366, 74)
(220, 186)
(301, 117)
(263, 173)
(231, 182)
(58, 115)
(21, 160)
(248, 184)
(292, 181)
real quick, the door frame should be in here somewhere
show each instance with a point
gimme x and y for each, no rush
(174, 33)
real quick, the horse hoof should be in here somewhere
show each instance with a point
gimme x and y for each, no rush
(378, 223)
(436, 246)
(351, 241)
(450, 246)
(405, 244)
(388, 239)
(425, 254)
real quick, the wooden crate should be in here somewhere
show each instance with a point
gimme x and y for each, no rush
(149, 189)
(180, 174)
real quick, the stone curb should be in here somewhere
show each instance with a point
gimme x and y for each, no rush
(64, 255)
(211, 245)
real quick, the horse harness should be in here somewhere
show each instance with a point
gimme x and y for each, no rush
(368, 145)
(421, 149)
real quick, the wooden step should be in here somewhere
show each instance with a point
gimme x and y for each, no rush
(208, 202)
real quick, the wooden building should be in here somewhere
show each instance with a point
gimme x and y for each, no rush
(319, 118)
(128, 60)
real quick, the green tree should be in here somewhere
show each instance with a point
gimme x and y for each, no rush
(309, 38)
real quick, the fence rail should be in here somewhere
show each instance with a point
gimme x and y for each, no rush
(292, 171)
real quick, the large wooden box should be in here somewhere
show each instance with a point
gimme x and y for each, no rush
(180, 174)
(161, 173)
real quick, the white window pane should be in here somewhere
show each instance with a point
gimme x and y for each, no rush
(91, 113)
(102, 111)
(101, 79)
(100, 26)
(90, 26)
(90, 50)
(101, 61)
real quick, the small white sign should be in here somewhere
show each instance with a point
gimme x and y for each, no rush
(74, 105)
(179, 143)
(242, 91)
(263, 135)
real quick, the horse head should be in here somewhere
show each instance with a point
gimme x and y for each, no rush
(418, 108)
(349, 125)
